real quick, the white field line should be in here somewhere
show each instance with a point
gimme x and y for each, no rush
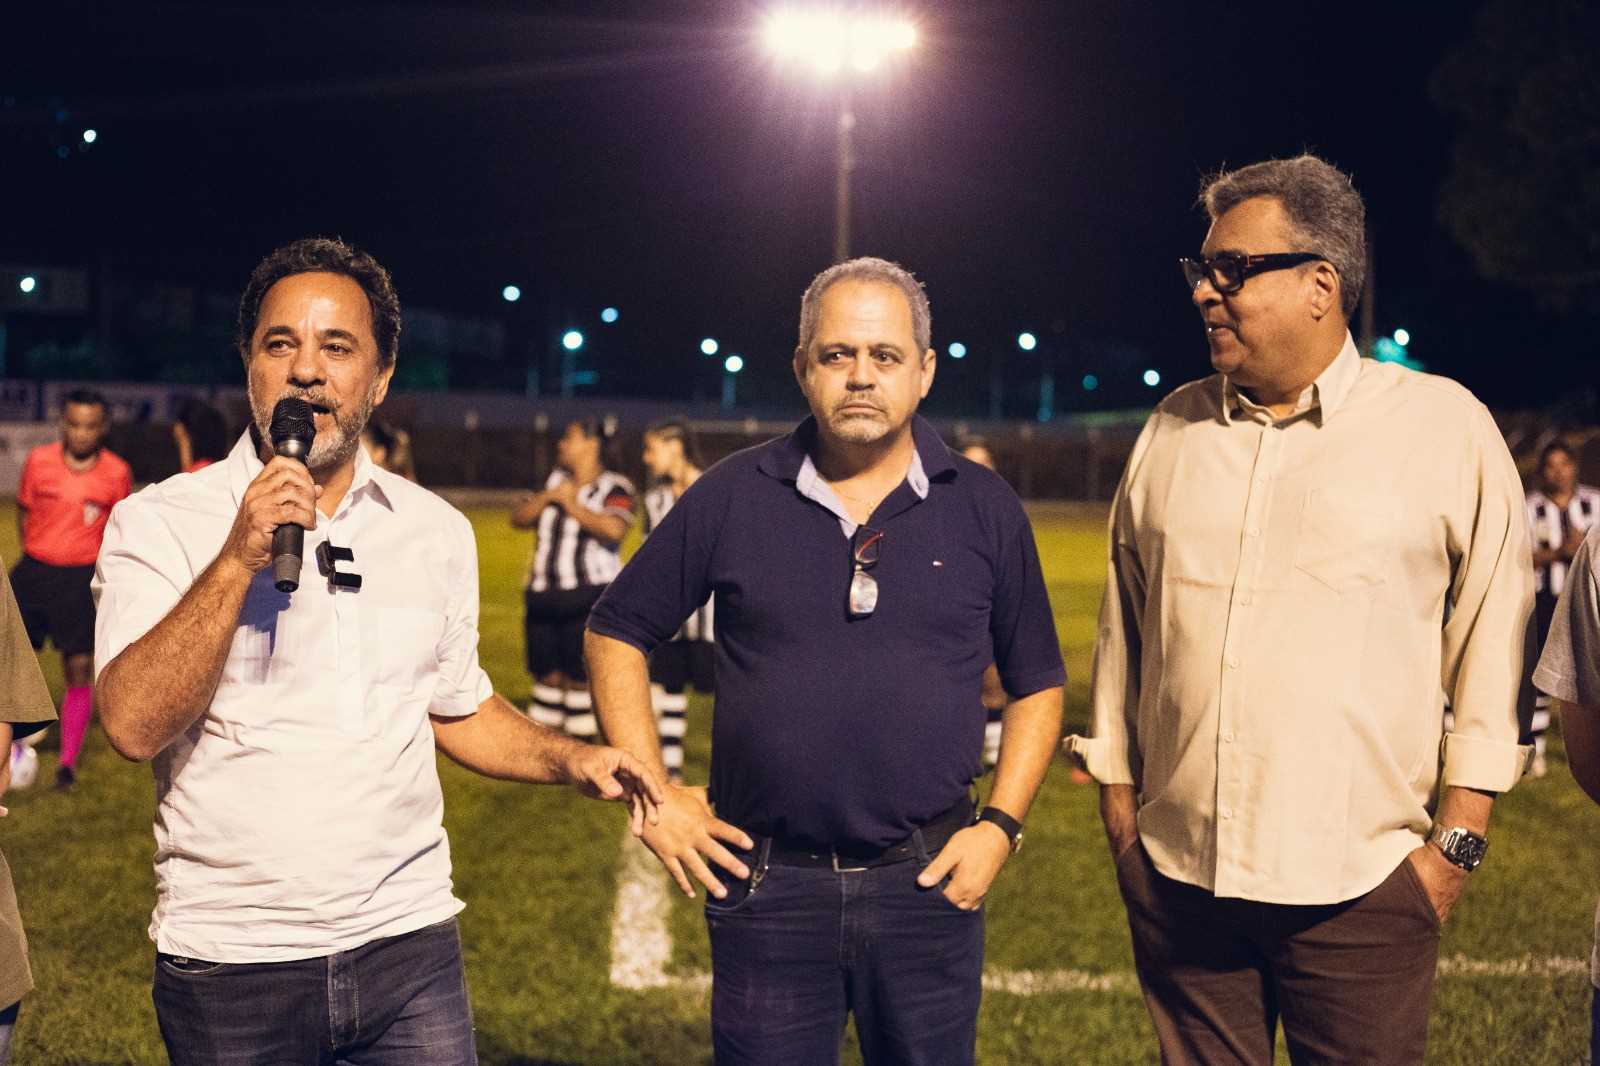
(641, 947)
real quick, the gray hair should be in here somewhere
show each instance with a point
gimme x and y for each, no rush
(867, 268)
(1323, 207)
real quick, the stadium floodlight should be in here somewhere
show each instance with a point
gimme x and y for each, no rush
(733, 364)
(28, 283)
(610, 315)
(1090, 383)
(957, 350)
(1152, 378)
(90, 136)
(1027, 341)
(709, 346)
(511, 294)
(1402, 337)
(829, 40)
(572, 340)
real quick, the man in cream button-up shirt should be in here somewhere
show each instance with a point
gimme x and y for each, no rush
(1309, 553)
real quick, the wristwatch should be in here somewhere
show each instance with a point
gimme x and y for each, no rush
(1461, 846)
(1008, 825)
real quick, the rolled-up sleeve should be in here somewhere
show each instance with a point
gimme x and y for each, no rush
(140, 575)
(668, 578)
(1487, 635)
(463, 685)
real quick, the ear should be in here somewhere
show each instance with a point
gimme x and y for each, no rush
(930, 365)
(1324, 283)
(384, 377)
(800, 367)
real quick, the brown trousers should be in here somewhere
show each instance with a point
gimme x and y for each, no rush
(1352, 981)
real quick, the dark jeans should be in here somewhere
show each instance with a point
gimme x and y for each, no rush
(399, 1001)
(797, 949)
(1351, 981)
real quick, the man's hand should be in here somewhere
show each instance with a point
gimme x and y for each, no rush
(1442, 878)
(1119, 810)
(613, 774)
(688, 833)
(1573, 542)
(971, 858)
(5, 775)
(282, 494)
(564, 495)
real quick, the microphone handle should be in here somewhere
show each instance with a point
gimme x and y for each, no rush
(288, 549)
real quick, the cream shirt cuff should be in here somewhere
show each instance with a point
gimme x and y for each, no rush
(1104, 761)
(1489, 765)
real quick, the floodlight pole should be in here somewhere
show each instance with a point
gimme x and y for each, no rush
(846, 167)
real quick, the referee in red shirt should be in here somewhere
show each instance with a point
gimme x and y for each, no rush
(67, 492)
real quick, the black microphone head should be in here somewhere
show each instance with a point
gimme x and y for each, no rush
(293, 427)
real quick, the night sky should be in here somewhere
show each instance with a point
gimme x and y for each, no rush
(1034, 163)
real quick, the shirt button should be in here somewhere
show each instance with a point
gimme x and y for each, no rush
(1245, 600)
(1253, 531)
(1227, 814)
(1233, 663)
(1227, 738)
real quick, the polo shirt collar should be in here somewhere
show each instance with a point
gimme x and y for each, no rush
(1324, 395)
(244, 463)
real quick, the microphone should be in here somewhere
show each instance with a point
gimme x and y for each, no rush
(293, 430)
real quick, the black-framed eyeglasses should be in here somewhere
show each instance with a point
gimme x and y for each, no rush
(866, 547)
(1228, 271)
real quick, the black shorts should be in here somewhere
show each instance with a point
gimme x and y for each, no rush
(56, 603)
(552, 628)
(679, 663)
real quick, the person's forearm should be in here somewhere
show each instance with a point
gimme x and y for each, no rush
(619, 678)
(1580, 731)
(1119, 812)
(1467, 808)
(1030, 732)
(496, 741)
(607, 527)
(525, 514)
(163, 682)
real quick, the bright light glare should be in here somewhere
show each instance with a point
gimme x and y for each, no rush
(733, 364)
(90, 136)
(828, 40)
(1027, 341)
(1402, 337)
(572, 340)
(1152, 378)
(1090, 383)
(511, 294)
(28, 284)
(957, 350)
(610, 315)
(709, 346)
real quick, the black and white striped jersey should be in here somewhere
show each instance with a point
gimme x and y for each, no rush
(565, 557)
(1549, 524)
(658, 500)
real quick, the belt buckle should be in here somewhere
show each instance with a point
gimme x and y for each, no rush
(834, 853)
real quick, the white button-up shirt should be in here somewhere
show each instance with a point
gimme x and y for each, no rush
(1289, 602)
(301, 814)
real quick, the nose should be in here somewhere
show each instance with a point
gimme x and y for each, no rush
(1205, 294)
(306, 368)
(860, 373)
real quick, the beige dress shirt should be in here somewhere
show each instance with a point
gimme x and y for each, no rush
(1288, 605)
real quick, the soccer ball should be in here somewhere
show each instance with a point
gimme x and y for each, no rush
(24, 766)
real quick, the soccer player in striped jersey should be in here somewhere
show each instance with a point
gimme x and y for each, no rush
(580, 519)
(1560, 512)
(673, 460)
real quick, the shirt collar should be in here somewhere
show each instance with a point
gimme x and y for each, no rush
(244, 463)
(1324, 395)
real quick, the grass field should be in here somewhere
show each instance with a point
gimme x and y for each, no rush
(538, 871)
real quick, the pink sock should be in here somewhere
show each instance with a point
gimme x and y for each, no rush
(76, 710)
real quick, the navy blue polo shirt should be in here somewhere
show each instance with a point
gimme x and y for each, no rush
(831, 729)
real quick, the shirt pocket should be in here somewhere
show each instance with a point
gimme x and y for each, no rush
(1339, 541)
(402, 644)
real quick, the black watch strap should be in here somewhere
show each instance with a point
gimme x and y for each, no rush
(1008, 825)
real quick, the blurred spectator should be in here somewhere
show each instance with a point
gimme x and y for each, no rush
(67, 492)
(201, 434)
(25, 708)
(1560, 512)
(389, 447)
(673, 460)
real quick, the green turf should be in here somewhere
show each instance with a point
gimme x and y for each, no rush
(537, 870)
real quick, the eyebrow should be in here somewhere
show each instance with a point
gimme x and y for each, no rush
(876, 346)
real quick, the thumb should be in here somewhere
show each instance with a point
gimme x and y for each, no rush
(941, 865)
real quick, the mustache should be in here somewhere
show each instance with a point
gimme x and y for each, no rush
(859, 401)
(315, 399)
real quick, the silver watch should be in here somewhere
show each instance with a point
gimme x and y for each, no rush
(1461, 846)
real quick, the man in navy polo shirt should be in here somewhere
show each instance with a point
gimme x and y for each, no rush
(864, 578)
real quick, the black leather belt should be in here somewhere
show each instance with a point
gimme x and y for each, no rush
(841, 857)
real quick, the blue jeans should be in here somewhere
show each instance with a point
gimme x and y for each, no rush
(398, 1001)
(796, 949)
